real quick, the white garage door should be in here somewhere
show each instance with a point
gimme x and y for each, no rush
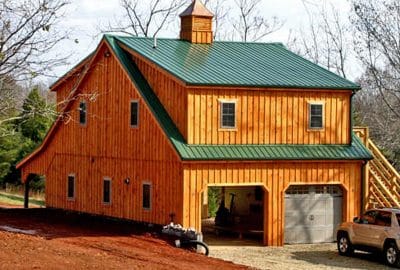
(312, 213)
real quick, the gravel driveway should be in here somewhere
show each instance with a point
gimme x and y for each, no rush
(316, 256)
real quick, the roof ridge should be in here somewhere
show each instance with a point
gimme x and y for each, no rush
(277, 68)
(177, 39)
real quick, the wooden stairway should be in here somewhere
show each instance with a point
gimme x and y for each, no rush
(381, 180)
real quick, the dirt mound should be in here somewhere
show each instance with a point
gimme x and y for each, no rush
(62, 240)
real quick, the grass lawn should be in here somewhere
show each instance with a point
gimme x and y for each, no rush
(15, 199)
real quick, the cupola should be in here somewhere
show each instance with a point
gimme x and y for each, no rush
(196, 23)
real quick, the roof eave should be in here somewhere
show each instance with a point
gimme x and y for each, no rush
(70, 72)
(57, 122)
(274, 159)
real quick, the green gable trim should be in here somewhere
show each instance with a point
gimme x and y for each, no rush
(355, 151)
(241, 64)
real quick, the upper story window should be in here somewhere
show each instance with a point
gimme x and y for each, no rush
(316, 115)
(134, 121)
(82, 113)
(228, 114)
(106, 190)
(71, 187)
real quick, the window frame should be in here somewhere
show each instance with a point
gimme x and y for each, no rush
(147, 183)
(310, 104)
(79, 113)
(221, 114)
(137, 113)
(380, 219)
(74, 187)
(368, 216)
(107, 179)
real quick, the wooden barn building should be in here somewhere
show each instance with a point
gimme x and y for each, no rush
(147, 126)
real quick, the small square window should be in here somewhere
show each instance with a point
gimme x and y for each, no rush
(316, 116)
(82, 113)
(107, 190)
(134, 113)
(146, 196)
(228, 117)
(71, 187)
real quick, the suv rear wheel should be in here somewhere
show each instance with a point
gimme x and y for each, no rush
(344, 245)
(391, 253)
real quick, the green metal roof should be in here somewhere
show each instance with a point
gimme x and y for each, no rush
(355, 151)
(236, 64)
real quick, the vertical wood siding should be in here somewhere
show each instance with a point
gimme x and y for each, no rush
(172, 94)
(108, 147)
(196, 29)
(64, 89)
(275, 178)
(267, 117)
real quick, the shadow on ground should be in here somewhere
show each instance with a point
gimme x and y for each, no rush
(359, 260)
(227, 240)
(56, 223)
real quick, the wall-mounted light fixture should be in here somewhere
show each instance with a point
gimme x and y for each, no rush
(127, 180)
(107, 53)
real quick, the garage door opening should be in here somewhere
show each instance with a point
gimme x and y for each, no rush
(312, 213)
(233, 215)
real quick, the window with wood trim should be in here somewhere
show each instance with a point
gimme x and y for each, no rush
(146, 190)
(106, 190)
(316, 115)
(228, 114)
(82, 113)
(134, 120)
(71, 187)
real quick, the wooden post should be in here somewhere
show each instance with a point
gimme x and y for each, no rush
(366, 179)
(363, 134)
(26, 195)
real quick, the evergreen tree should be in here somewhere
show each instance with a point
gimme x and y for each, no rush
(36, 117)
(26, 133)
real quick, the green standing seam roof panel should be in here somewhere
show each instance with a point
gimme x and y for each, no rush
(236, 64)
(355, 151)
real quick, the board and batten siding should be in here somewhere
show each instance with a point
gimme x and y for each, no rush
(267, 116)
(107, 146)
(171, 93)
(64, 88)
(275, 177)
(196, 29)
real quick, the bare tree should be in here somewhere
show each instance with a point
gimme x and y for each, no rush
(326, 40)
(371, 110)
(27, 35)
(220, 9)
(377, 43)
(251, 25)
(145, 18)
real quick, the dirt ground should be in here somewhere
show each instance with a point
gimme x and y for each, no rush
(296, 257)
(48, 239)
